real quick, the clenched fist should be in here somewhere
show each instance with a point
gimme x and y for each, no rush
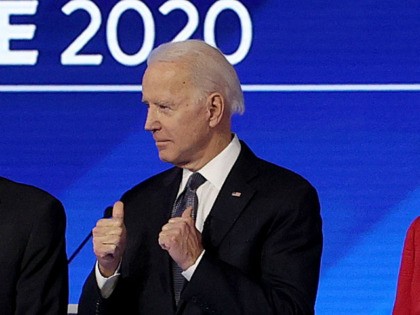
(181, 239)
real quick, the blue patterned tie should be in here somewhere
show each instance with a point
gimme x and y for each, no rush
(188, 198)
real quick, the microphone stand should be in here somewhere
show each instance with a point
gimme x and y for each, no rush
(107, 214)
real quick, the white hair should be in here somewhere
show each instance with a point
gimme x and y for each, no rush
(209, 68)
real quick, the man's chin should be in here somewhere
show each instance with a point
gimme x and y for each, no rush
(165, 158)
(171, 159)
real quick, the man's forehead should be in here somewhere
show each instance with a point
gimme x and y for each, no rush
(171, 77)
(169, 70)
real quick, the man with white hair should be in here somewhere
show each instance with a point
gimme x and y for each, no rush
(222, 232)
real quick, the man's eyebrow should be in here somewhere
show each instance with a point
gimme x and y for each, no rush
(157, 103)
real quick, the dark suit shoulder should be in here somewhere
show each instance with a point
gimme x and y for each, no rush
(25, 206)
(150, 185)
(268, 173)
(32, 256)
(26, 197)
(282, 175)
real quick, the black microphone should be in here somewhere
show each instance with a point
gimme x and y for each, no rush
(107, 214)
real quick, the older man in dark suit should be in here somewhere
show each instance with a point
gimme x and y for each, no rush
(223, 232)
(33, 263)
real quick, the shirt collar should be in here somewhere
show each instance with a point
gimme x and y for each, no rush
(219, 167)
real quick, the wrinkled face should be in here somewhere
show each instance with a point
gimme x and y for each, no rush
(178, 120)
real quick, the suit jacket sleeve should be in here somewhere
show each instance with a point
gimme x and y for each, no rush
(283, 281)
(42, 286)
(121, 301)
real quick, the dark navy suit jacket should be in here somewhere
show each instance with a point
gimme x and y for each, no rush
(33, 263)
(263, 248)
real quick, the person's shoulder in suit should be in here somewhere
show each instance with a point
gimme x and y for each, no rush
(33, 262)
(408, 287)
(27, 197)
(415, 225)
(151, 183)
(273, 176)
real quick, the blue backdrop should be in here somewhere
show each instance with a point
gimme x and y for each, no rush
(332, 91)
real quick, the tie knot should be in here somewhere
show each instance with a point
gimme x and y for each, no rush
(195, 181)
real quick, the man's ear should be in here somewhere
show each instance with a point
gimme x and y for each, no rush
(216, 108)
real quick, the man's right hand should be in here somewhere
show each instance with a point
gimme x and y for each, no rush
(109, 240)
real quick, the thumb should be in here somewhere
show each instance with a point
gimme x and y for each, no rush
(118, 210)
(187, 213)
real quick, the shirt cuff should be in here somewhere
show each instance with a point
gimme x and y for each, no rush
(106, 285)
(187, 274)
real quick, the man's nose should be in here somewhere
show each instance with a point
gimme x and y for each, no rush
(151, 123)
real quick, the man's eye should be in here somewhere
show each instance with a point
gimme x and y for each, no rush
(163, 107)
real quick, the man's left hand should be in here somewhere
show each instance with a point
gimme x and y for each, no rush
(181, 239)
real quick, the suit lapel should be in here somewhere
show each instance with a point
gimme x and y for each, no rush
(232, 199)
(234, 196)
(168, 196)
(170, 190)
(162, 193)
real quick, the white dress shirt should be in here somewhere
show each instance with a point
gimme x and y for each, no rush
(215, 172)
